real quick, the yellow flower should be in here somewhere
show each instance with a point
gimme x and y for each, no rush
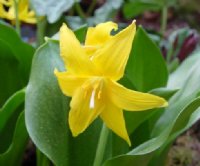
(91, 78)
(2, 11)
(24, 13)
(6, 2)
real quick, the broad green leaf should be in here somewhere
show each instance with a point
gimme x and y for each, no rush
(186, 119)
(106, 11)
(51, 8)
(81, 33)
(166, 93)
(46, 107)
(129, 160)
(180, 76)
(15, 62)
(8, 116)
(133, 9)
(22, 51)
(75, 22)
(52, 28)
(8, 75)
(14, 154)
(189, 90)
(47, 111)
(146, 67)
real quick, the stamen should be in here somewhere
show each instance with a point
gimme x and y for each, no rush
(99, 95)
(92, 99)
(91, 58)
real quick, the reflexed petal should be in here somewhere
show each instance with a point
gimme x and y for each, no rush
(100, 34)
(113, 55)
(73, 54)
(85, 107)
(114, 119)
(132, 100)
(69, 83)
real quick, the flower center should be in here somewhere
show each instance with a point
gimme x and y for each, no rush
(93, 89)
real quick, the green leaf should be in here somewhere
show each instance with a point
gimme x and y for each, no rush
(14, 154)
(15, 62)
(180, 76)
(51, 8)
(9, 112)
(134, 8)
(166, 93)
(47, 111)
(8, 74)
(81, 33)
(128, 160)
(75, 22)
(146, 67)
(186, 119)
(45, 105)
(8, 116)
(189, 91)
(22, 51)
(106, 11)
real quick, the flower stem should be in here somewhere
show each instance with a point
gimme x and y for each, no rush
(41, 27)
(164, 20)
(42, 160)
(91, 8)
(79, 10)
(101, 146)
(17, 21)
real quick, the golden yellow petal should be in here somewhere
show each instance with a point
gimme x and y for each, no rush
(69, 83)
(73, 54)
(2, 12)
(132, 100)
(30, 20)
(114, 119)
(113, 55)
(85, 107)
(6, 2)
(99, 34)
(10, 15)
(25, 14)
